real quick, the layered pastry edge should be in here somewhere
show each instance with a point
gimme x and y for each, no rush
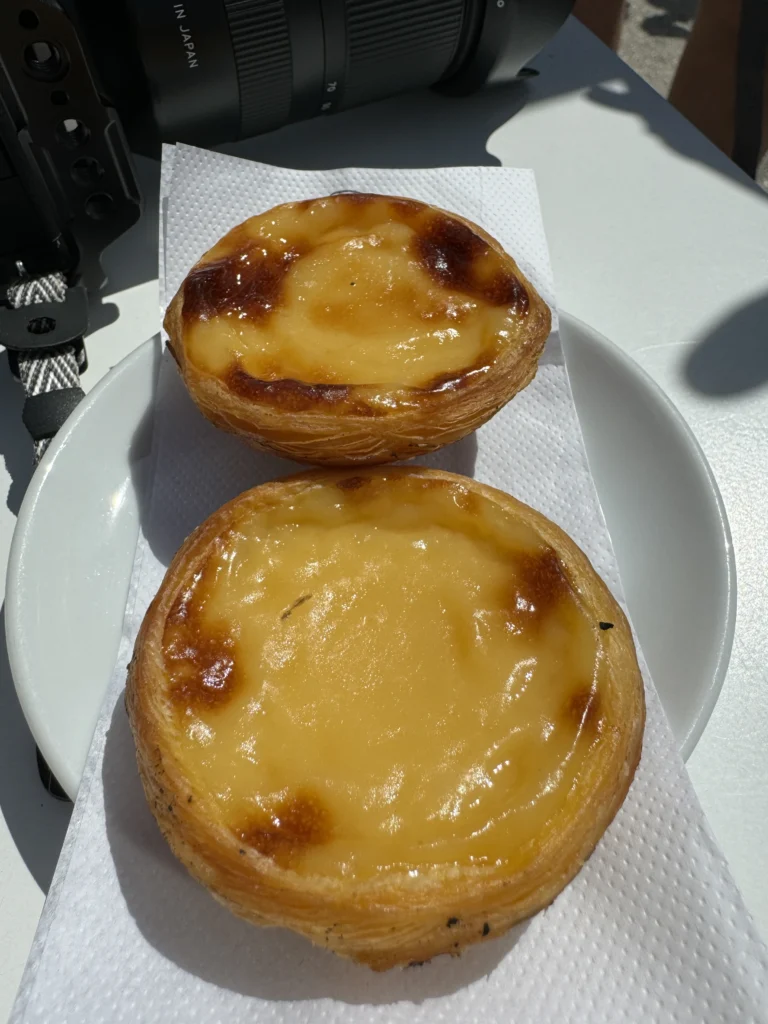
(382, 922)
(341, 424)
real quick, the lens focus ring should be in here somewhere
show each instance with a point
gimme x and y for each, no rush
(262, 50)
(394, 45)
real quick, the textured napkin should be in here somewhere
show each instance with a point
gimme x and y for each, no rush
(652, 929)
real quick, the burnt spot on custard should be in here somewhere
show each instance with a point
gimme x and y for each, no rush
(201, 666)
(285, 393)
(455, 380)
(200, 659)
(297, 823)
(539, 583)
(350, 483)
(246, 284)
(583, 709)
(458, 259)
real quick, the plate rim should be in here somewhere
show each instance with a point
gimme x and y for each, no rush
(30, 707)
(713, 690)
(20, 670)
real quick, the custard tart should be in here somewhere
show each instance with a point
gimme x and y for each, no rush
(355, 329)
(391, 710)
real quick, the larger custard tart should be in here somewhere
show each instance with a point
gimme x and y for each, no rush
(393, 711)
(355, 329)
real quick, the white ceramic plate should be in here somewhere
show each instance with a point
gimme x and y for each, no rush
(72, 552)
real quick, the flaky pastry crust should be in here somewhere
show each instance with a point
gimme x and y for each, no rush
(340, 423)
(395, 920)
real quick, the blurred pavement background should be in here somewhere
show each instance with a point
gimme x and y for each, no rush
(652, 41)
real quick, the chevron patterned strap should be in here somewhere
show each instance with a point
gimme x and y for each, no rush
(43, 371)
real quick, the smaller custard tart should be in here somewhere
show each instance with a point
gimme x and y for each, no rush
(355, 329)
(392, 710)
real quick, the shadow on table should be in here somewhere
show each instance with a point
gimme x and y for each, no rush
(629, 94)
(426, 129)
(577, 60)
(733, 356)
(418, 129)
(36, 821)
(187, 926)
(673, 19)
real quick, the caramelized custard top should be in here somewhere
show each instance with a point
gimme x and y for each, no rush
(351, 289)
(384, 674)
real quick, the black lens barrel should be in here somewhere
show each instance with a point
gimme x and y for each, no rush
(396, 45)
(261, 45)
(209, 71)
(334, 14)
(305, 26)
(299, 58)
(168, 66)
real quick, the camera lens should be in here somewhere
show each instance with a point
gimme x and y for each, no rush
(209, 71)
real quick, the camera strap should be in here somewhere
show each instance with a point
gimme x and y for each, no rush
(42, 327)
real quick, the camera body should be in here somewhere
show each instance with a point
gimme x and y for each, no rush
(67, 187)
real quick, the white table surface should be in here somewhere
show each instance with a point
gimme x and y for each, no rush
(656, 239)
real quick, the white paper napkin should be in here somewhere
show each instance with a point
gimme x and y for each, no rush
(652, 929)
